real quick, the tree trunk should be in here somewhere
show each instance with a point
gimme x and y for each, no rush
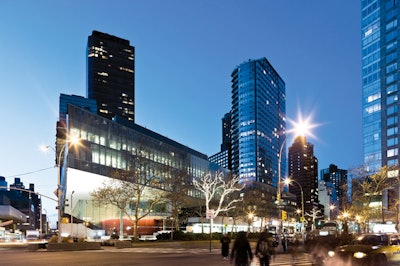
(121, 224)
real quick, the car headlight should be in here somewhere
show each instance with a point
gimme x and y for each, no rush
(331, 253)
(359, 255)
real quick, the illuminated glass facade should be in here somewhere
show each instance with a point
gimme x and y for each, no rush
(108, 145)
(380, 81)
(111, 75)
(258, 122)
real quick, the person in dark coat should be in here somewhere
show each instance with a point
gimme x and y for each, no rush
(284, 243)
(264, 249)
(241, 251)
(225, 240)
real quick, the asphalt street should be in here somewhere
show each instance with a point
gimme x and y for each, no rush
(168, 254)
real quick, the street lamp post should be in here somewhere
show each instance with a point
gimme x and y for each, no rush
(59, 191)
(72, 193)
(278, 196)
(288, 182)
(301, 128)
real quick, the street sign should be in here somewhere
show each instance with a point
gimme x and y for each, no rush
(210, 214)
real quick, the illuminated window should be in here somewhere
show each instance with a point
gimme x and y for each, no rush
(392, 152)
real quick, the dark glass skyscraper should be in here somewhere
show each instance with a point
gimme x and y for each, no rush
(111, 75)
(380, 88)
(303, 168)
(258, 122)
(380, 82)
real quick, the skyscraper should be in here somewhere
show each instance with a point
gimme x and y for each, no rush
(303, 168)
(111, 75)
(338, 179)
(380, 87)
(380, 82)
(258, 122)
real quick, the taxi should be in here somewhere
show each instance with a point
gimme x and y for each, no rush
(368, 249)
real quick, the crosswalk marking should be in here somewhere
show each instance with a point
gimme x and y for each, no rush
(286, 259)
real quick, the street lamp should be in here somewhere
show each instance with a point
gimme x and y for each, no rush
(300, 128)
(73, 141)
(72, 193)
(288, 181)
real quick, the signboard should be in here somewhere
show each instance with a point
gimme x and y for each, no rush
(210, 214)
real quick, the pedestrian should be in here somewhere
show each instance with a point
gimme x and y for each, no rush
(264, 249)
(225, 240)
(241, 253)
(284, 243)
(294, 250)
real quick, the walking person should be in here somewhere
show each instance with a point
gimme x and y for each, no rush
(241, 253)
(225, 240)
(284, 243)
(264, 249)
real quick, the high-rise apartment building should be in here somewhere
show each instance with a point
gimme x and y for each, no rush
(380, 82)
(303, 168)
(111, 75)
(258, 122)
(380, 87)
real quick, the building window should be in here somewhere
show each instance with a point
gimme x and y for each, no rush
(392, 152)
(392, 110)
(392, 131)
(392, 99)
(392, 141)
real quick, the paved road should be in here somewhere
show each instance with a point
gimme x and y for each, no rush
(168, 254)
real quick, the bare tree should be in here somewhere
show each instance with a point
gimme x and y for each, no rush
(178, 187)
(216, 188)
(130, 191)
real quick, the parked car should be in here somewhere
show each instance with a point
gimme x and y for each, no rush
(368, 249)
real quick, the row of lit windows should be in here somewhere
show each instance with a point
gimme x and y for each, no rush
(374, 108)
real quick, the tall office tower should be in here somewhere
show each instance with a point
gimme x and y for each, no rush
(111, 75)
(380, 87)
(380, 82)
(258, 122)
(338, 178)
(303, 168)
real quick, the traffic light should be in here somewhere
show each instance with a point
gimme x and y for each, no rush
(284, 215)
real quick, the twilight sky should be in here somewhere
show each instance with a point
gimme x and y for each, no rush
(185, 53)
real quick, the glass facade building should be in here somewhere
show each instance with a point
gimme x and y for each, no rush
(109, 145)
(303, 168)
(111, 75)
(380, 82)
(258, 122)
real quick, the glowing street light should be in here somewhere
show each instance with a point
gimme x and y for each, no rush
(287, 182)
(72, 141)
(300, 128)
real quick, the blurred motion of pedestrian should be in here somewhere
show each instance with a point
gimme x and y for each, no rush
(284, 243)
(241, 253)
(225, 240)
(264, 249)
(294, 249)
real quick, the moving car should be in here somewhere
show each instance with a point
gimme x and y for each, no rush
(368, 249)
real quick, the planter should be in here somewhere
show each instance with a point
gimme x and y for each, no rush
(73, 246)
